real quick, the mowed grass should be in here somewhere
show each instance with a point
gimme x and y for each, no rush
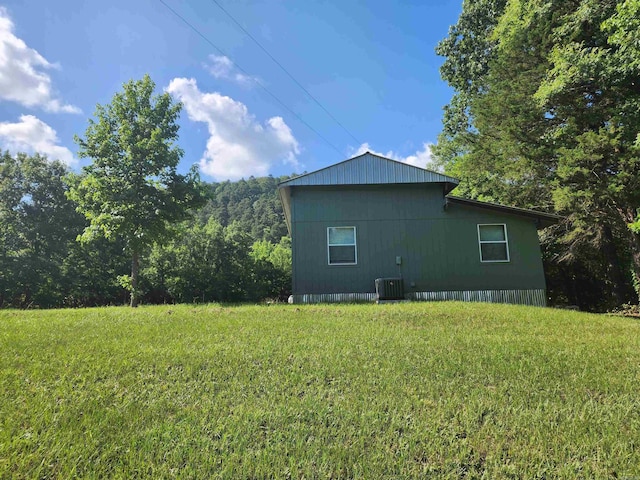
(447, 390)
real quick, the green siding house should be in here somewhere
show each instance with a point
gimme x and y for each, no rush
(370, 225)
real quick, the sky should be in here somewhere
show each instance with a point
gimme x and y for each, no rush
(358, 75)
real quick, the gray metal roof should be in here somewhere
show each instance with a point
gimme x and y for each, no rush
(542, 219)
(370, 169)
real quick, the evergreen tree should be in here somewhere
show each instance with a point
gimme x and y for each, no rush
(550, 121)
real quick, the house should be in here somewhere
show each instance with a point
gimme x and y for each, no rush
(370, 225)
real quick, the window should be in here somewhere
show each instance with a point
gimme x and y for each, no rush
(493, 243)
(341, 245)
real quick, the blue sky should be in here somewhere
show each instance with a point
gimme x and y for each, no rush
(371, 64)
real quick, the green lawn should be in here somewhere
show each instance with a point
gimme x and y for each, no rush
(447, 390)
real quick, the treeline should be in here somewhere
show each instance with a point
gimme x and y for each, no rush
(546, 115)
(254, 204)
(234, 248)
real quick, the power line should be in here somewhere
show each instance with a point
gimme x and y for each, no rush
(257, 81)
(286, 71)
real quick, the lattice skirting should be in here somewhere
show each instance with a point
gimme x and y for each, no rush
(536, 297)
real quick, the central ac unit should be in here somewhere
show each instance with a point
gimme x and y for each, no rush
(390, 288)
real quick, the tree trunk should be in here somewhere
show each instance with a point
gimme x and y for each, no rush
(135, 263)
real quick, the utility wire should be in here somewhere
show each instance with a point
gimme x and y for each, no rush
(258, 82)
(286, 71)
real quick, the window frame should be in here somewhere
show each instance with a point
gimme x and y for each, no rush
(505, 242)
(354, 245)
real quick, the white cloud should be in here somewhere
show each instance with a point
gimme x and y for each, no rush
(222, 67)
(32, 135)
(23, 77)
(238, 145)
(422, 158)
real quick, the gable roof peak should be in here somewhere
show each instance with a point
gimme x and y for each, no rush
(370, 169)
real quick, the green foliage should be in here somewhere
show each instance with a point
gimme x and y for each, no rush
(468, 50)
(37, 224)
(132, 189)
(273, 267)
(430, 390)
(278, 254)
(553, 117)
(42, 264)
(469, 47)
(595, 97)
(91, 273)
(636, 282)
(208, 262)
(623, 27)
(125, 282)
(253, 204)
(194, 266)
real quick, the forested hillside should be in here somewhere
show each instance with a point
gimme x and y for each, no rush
(254, 204)
(231, 250)
(546, 115)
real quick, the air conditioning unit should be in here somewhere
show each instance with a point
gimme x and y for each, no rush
(390, 289)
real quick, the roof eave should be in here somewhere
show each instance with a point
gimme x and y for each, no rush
(285, 198)
(543, 219)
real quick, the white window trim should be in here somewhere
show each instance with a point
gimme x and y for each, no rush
(354, 244)
(505, 241)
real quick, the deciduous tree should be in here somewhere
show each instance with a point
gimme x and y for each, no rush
(37, 225)
(132, 189)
